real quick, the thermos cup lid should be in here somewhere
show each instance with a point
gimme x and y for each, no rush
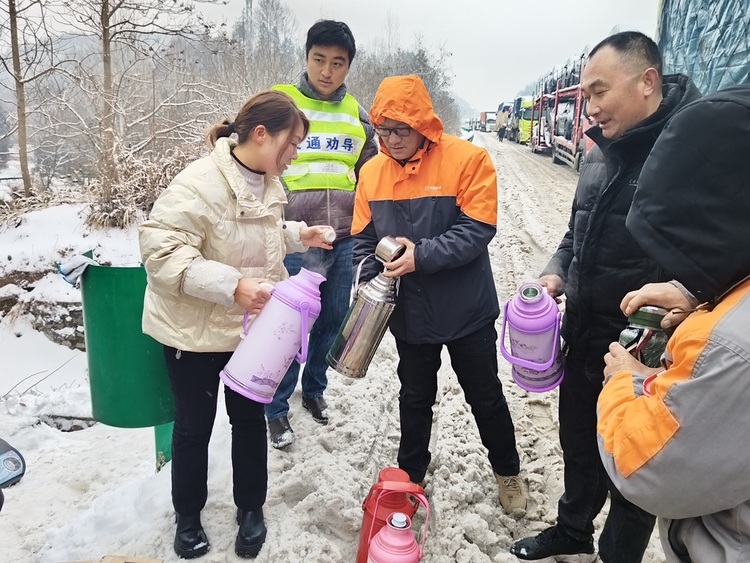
(393, 474)
(648, 315)
(389, 250)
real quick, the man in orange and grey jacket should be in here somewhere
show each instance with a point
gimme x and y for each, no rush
(437, 195)
(674, 440)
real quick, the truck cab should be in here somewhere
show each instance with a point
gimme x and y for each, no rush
(519, 123)
(569, 144)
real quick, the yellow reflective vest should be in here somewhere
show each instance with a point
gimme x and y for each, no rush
(326, 157)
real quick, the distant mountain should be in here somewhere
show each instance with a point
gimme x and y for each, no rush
(467, 112)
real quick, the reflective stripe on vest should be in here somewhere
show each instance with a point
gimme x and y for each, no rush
(326, 157)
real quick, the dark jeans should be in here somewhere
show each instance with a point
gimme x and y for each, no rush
(336, 266)
(474, 359)
(628, 528)
(194, 378)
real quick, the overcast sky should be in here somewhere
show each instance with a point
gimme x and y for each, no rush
(497, 46)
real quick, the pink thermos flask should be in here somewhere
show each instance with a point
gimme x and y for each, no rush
(395, 543)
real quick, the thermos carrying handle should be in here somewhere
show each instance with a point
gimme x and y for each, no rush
(355, 285)
(394, 486)
(304, 311)
(528, 363)
(247, 314)
(244, 325)
(399, 487)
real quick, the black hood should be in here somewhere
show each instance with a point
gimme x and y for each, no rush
(691, 210)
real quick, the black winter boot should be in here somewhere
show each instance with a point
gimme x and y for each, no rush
(318, 408)
(252, 533)
(190, 541)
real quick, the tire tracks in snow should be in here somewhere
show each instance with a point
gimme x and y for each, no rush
(534, 198)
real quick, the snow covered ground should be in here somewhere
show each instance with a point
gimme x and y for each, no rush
(95, 491)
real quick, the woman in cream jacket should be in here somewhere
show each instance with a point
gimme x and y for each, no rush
(213, 236)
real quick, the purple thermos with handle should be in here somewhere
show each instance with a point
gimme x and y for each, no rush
(276, 337)
(532, 319)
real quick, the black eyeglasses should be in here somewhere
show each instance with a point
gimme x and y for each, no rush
(399, 131)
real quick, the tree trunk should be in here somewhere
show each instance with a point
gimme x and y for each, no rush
(23, 155)
(109, 166)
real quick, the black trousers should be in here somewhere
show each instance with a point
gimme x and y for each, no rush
(474, 359)
(628, 528)
(194, 378)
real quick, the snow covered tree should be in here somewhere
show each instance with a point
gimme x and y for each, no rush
(29, 56)
(131, 34)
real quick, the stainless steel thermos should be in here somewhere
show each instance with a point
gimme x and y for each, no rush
(365, 323)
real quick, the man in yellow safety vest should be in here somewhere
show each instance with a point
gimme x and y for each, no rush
(320, 186)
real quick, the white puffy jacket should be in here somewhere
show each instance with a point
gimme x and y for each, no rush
(204, 233)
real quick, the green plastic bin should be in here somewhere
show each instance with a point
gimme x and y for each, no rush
(127, 372)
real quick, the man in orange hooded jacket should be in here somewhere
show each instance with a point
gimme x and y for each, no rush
(437, 195)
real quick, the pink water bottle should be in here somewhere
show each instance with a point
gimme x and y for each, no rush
(395, 543)
(533, 321)
(276, 337)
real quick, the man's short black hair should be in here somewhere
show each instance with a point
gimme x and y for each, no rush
(328, 33)
(634, 45)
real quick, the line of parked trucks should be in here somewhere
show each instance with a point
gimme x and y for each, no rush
(561, 119)
(552, 121)
(486, 122)
(518, 120)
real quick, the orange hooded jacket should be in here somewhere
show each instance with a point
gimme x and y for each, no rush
(444, 199)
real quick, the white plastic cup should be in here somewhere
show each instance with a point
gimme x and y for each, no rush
(329, 235)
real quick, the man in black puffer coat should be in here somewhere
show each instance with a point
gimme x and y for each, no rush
(596, 264)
